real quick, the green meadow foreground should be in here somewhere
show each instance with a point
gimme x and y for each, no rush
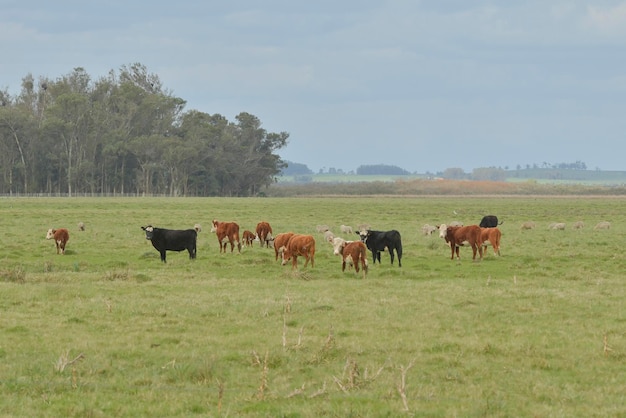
(107, 330)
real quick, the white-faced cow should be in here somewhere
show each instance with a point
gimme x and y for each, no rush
(227, 232)
(172, 240)
(491, 236)
(377, 241)
(458, 236)
(280, 241)
(60, 236)
(299, 245)
(489, 221)
(264, 233)
(353, 253)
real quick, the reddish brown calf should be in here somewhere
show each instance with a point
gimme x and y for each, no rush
(491, 236)
(299, 245)
(61, 236)
(264, 232)
(227, 232)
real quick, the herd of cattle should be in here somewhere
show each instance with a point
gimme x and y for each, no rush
(289, 246)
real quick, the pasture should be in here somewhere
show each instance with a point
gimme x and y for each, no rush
(109, 330)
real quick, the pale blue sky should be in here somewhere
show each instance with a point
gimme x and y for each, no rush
(422, 84)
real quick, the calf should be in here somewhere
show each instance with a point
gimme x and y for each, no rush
(264, 233)
(489, 221)
(280, 241)
(299, 245)
(248, 238)
(227, 232)
(491, 236)
(60, 236)
(352, 253)
(172, 240)
(377, 241)
(457, 236)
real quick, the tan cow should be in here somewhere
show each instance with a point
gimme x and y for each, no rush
(491, 236)
(299, 245)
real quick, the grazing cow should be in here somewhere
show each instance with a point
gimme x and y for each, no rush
(60, 236)
(81, 226)
(352, 253)
(280, 241)
(264, 233)
(457, 236)
(603, 225)
(377, 241)
(299, 245)
(489, 221)
(578, 225)
(329, 236)
(227, 232)
(172, 240)
(491, 236)
(557, 226)
(248, 238)
(428, 229)
(345, 229)
(527, 225)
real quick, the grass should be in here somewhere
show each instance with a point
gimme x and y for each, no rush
(108, 330)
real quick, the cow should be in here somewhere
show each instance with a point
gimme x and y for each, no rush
(172, 240)
(489, 221)
(280, 241)
(352, 253)
(227, 232)
(491, 236)
(248, 238)
(345, 229)
(61, 236)
(457, 236)
(264, 233)
(603, 225)
(527, 225)
(377, 241)
(299, 245)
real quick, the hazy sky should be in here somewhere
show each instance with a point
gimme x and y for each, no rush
(422, 84)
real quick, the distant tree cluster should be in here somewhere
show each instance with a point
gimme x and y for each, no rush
(578, 165)
(125, 134)
(381, 169)
(295, 169)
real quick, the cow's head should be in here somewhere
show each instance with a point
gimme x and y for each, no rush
(149, 231)
(363, 234)
(338, 244)
(214, 225)
(443, 229)
(50, 233)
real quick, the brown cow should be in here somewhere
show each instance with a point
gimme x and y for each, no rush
(352, 253)
(248, 238)
(280, 241)
(61, 236)
(491, 236)
(227, 232)
(299, 245)
(457, 236)
(264, 233)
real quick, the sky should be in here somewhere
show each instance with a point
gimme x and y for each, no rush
(425, 85)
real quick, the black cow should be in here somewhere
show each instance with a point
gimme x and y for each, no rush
(489, 221)
(377, 241)
(172, 240)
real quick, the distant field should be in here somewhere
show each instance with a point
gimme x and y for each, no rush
(108, 330)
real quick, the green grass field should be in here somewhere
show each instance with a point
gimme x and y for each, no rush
(108, 330)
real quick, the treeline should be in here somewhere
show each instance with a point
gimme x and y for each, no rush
(125, 134)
